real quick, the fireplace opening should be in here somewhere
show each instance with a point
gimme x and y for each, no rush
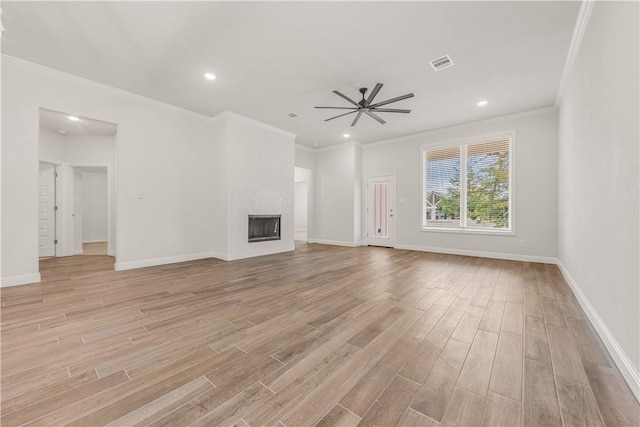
(264, 227)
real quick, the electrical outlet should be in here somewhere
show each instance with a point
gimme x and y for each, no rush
(170, 244)
(521, 243)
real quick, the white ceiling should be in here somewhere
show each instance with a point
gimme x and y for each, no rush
(60, 122)
(273, 58)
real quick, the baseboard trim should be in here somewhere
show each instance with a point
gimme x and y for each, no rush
(130, 265)
(220, 255)
(95, 241)
(622, 361)
(24, 279)
(480, 254)
(247, 256)
(336, 242)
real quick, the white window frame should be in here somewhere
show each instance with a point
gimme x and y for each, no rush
(462, 143)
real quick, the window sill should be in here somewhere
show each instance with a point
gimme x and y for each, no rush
(469, 231)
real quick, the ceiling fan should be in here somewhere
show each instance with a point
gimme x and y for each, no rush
(365, 105)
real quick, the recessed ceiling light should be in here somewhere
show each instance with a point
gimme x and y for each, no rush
(315, 144)
(62, 132)
(209, 76)
(482, 103)
(346, 135)
(73, 118)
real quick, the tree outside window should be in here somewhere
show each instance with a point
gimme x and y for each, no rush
(484, 168)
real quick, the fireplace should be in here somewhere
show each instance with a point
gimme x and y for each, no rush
(264, 227)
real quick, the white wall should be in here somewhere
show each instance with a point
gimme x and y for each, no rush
(534, 217)
(599, 180)
(261, 174)
(337, 176)
(305, 157)
(94, 206)
(79, 149)
(302, 174)
(358, 196)
(51, 145)
(219, 169)
(162, 151)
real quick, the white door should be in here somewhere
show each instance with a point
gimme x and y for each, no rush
(381, 211)
(46, 212)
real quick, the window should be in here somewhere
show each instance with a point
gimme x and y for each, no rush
(468, 186)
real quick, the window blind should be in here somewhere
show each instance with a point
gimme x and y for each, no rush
(467, 186)
(488, 184)
(442, 179)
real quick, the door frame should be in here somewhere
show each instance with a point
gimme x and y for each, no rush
(391, 198)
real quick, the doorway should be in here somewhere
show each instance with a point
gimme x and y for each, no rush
(90, 210)
(381, 211)
(302, 178)
(79, 153)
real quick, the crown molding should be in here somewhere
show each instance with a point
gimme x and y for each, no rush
(492, 120)
(303, 148)
(576, 41)
(338, 146)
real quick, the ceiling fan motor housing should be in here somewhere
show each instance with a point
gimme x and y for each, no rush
(363, 90)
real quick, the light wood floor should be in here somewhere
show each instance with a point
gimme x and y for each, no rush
(94, 248)
(323, 336)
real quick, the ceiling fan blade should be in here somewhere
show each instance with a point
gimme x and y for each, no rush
(340, 108)
(331, 118)
(373, 94)
(356, 119)
(346, 97)
(389, 110)
(389, 101)
(378, 118)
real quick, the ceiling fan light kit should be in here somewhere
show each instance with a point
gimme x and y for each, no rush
(366, 106)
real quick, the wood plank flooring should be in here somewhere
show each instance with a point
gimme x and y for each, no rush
(321, 336)
(94, 248)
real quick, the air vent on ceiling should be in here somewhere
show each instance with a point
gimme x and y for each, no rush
(441, 63)
(293, 115)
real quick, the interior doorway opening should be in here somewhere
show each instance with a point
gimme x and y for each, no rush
(90, 210)
(78, 153)
(302, 179)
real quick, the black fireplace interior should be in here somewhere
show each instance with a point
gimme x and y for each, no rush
(264, 227)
